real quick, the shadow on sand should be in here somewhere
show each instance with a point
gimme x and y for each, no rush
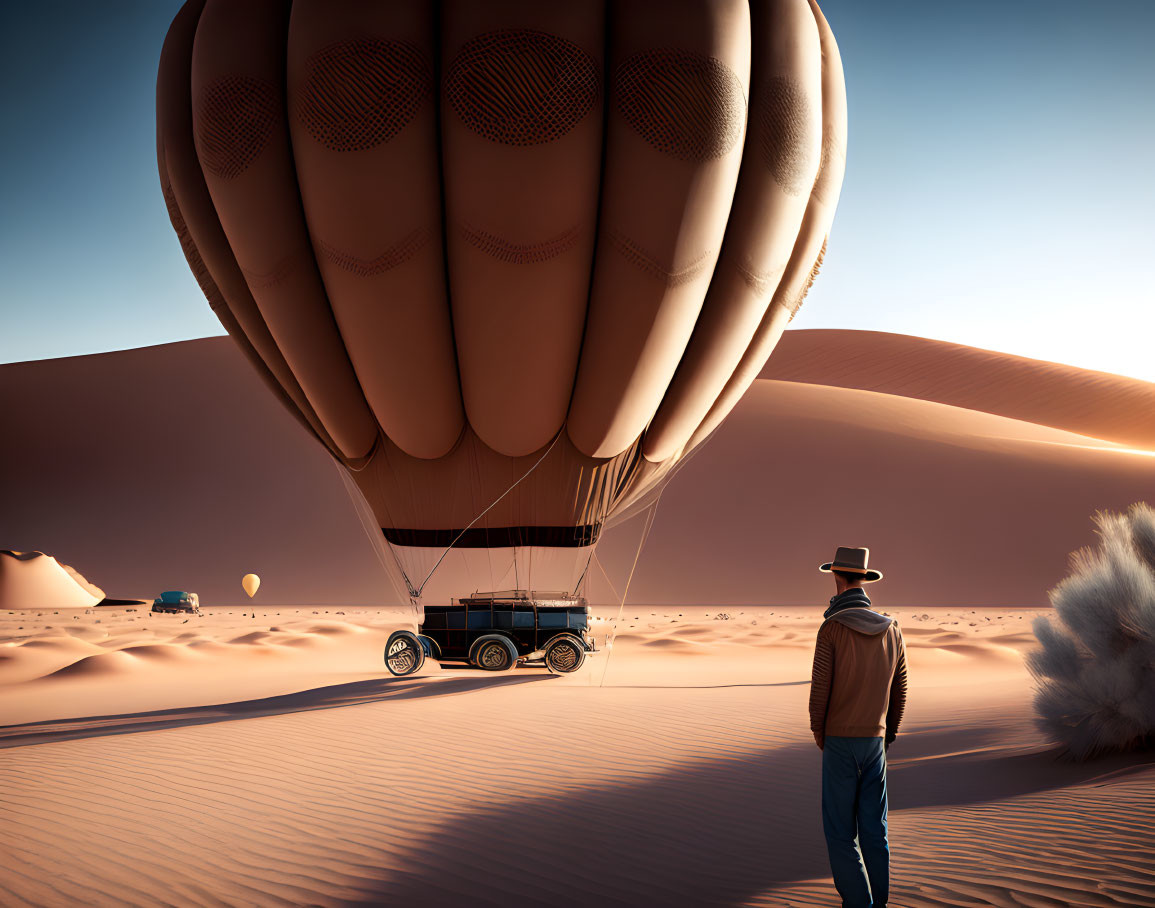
(352, 694)
(715, 833)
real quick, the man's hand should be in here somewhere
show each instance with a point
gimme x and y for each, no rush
(819, 740)
(886, 743)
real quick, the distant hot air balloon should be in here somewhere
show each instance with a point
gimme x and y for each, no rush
(251, 583)
(509, 261)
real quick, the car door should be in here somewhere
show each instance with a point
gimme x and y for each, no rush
(524, 627)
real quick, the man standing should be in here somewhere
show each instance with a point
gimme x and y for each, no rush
(857, 695)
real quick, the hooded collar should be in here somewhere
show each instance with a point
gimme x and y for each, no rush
(852, 609)
(855, 597)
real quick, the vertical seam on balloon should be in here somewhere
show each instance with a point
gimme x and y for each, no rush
(307, 255)
(437, 11)
(302, 411)
(606, 89)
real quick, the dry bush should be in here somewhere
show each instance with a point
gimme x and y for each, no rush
(1096, 668)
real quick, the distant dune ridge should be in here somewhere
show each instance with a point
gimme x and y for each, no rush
(1098, 404)
(949, 462)
(35, 580)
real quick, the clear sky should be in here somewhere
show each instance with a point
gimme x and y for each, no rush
(999, 189)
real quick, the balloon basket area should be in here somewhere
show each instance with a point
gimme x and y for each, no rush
(496, 632)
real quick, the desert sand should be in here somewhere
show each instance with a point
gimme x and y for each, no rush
(265, 757)
(260, 754)
(191, 475)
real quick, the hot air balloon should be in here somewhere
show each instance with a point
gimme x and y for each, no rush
(509, 262)
(251, 583)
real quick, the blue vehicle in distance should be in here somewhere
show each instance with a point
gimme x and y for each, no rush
(177, 602)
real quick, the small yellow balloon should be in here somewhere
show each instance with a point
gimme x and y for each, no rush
(251, 583)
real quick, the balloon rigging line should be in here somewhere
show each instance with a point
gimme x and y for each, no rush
(360, 507)
(577, 586)
(650, 515)
(488, 509)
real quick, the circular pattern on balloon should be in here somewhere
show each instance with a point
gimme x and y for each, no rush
(785, 125)
(684, 104)
(521, 87)
(234, 120)
(358, 94)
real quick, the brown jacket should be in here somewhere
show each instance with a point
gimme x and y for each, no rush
(858, 688)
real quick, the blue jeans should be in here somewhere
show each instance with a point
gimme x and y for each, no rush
(854, 807)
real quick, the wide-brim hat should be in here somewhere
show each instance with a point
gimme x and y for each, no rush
(852, 561)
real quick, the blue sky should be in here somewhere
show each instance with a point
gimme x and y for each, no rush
(998, 193)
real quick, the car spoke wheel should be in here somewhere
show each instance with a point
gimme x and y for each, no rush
(564, 656)
(403, 653)
(494, 657)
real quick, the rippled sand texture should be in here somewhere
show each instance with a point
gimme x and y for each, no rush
(276, 763)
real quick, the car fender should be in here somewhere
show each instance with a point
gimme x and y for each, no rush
(431, 647)
(564, 636)
(504, 638)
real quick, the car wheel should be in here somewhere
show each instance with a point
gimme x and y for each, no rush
(495, 656)
(564, 655)
(404, 654)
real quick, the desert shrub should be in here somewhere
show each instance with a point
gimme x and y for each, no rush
(1096, 668)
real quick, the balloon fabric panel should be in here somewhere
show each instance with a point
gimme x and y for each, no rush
(509, 262)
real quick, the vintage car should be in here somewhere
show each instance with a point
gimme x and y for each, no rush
(496, 631)
(177, 601)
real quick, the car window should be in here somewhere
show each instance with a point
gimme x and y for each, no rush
(480, 619)
(551, 619)
(523, 619)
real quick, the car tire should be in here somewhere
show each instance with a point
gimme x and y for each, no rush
(495, 654)
(564, 654)
(404, 654)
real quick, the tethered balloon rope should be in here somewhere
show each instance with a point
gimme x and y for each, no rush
(650, 515)
(492, 504)
(375, 537)
(577, 586)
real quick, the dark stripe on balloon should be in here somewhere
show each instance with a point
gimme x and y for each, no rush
(496, 537)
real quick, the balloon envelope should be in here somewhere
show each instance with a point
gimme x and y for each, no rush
(251, 583)
(510, 262)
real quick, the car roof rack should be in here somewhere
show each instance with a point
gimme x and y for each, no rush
(538, 597)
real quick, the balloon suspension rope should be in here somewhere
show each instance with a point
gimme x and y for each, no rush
(650, 514)
(492, 504)
(361, 507)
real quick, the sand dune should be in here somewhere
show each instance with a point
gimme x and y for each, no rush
(193, 476)
(958, 506)
(1066, 397)
(983, 469)
(260, 755)
(35, 580)
(681, 781)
